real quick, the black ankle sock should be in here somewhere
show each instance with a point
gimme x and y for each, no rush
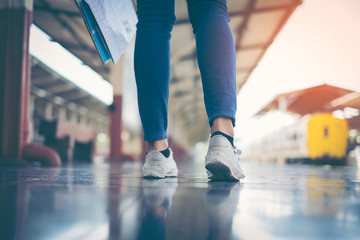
(166, 152)
(231, 139)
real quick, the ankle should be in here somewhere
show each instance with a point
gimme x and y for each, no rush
(223, 125)
(157, 145)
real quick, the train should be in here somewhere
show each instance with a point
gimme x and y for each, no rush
(318, 138)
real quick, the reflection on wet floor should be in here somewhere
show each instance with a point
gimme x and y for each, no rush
(103, 202)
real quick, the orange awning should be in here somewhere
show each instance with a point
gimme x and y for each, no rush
(309, 100)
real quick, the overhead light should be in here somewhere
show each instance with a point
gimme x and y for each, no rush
(350, 112)
(72, 106)
(58, 100)
(338, 114)
(41, 93)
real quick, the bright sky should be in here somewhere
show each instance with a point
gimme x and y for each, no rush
(319, 44)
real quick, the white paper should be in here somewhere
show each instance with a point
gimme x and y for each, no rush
(117, 21)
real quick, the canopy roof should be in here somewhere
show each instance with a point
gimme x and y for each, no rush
(322, 98)
(255, 24)
(349, 100)
(305, 101)
(50, 86)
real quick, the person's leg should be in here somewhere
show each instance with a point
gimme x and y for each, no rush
(216, 58)
(152, 68)
(152, 73)
(217, 61)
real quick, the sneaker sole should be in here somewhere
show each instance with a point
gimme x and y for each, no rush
(152, 175)
(220, 171)
(159, 175)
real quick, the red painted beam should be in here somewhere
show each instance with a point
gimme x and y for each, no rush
(14, 79)
(115, 130)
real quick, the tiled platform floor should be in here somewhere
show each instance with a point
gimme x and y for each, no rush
(103, 202)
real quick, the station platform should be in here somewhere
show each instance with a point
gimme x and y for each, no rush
(115, 202)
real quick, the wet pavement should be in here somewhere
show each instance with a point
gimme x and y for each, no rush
(114, 202)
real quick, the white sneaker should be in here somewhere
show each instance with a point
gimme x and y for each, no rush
(222, 160)
(158, 166)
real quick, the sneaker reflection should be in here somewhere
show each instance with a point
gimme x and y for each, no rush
(191, 213)
(158, 194)
(221, 200)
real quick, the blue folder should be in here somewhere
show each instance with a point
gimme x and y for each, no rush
(95, 32)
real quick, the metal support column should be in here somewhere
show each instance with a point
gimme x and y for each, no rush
(116, 79)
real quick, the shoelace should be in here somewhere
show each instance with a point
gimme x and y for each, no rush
(237, 152)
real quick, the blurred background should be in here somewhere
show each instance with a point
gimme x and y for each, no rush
(297, 80)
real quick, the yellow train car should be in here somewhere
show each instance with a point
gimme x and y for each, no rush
(315, 138)
(326, 136)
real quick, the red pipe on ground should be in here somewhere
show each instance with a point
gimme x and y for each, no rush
(45, 155)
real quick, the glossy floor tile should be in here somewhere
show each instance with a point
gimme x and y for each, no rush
(114, 202)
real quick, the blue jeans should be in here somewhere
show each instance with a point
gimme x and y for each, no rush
(215, 53)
